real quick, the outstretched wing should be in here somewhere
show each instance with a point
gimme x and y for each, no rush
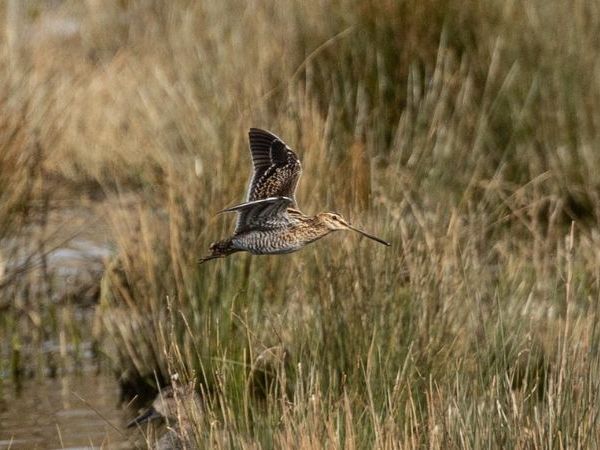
(265, 214)
(276, 167)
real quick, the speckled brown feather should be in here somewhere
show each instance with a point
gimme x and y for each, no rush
(276, 167)
(264, 214)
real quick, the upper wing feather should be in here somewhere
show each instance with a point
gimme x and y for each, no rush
(260, 148)
(276, 167)
(266, 213)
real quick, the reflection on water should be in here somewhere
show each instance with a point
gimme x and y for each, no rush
(70, 413)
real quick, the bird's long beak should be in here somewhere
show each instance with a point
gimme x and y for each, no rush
(370, 236)
(147, 416)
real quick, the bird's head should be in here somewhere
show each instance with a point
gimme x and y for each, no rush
(335, 222)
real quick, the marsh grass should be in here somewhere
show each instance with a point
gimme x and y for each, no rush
(463, 132)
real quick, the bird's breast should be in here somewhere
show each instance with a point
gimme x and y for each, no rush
(268, 242)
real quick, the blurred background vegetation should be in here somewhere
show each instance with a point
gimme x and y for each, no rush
(464, 132)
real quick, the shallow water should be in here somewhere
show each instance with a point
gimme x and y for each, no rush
(73, 412)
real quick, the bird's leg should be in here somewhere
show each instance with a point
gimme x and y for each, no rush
(208, 258)
(219, 249)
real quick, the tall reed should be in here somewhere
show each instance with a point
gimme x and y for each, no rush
(463, 132)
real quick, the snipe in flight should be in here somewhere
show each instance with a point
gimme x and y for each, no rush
(269, 221)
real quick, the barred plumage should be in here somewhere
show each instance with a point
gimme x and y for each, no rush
(268, 222)
(182, 407)
(276, 167)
